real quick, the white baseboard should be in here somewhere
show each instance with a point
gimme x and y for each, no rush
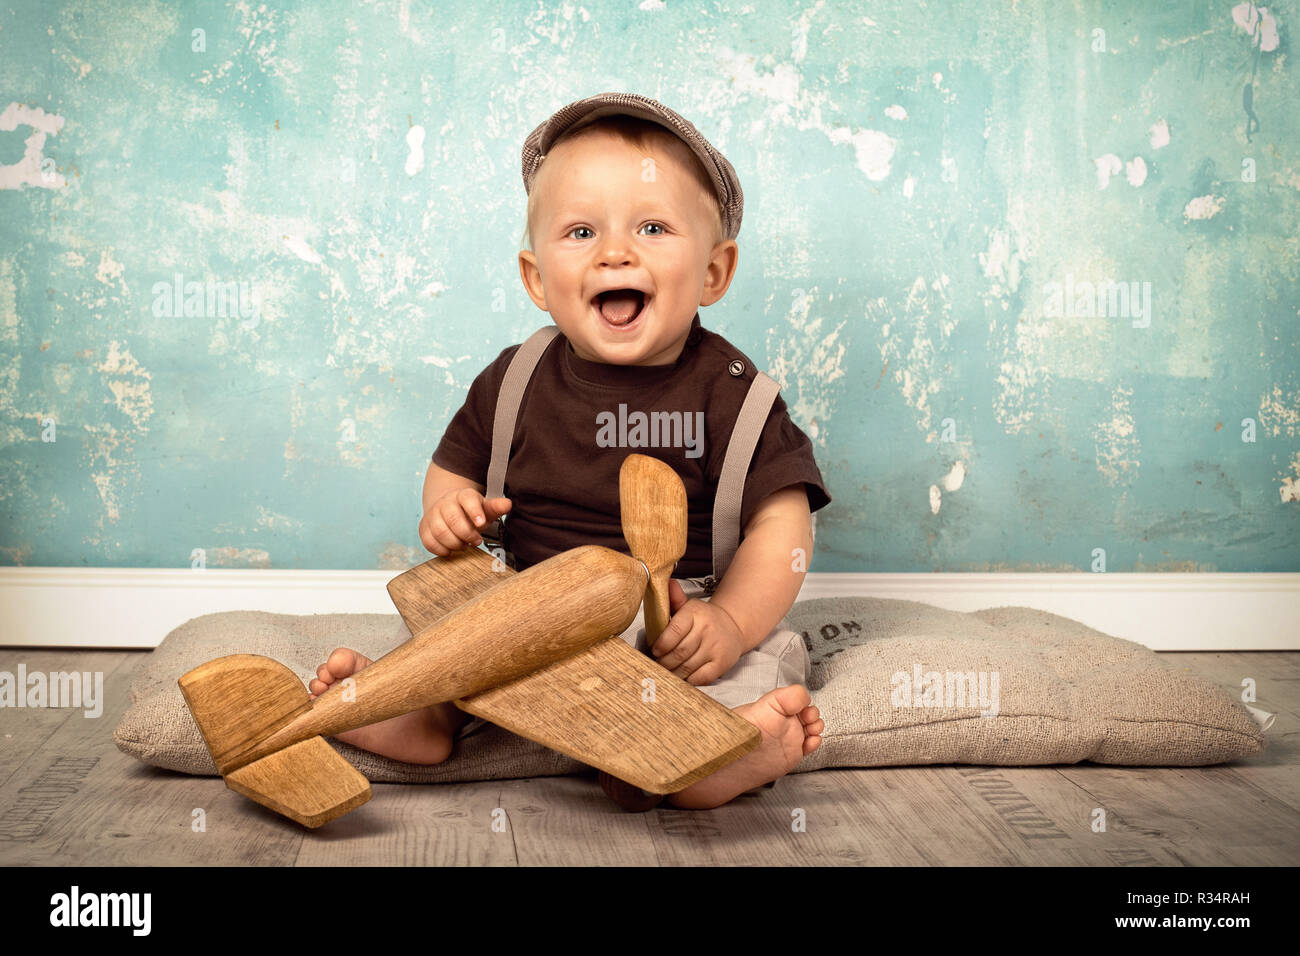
(120, 607)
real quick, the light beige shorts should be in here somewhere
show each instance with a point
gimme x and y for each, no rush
(781, 660)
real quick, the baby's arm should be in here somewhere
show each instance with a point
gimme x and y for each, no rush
(438, 481)
(761, 583)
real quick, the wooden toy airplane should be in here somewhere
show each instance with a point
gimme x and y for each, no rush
(537, 652)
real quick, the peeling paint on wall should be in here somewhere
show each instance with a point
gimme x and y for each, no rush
(1118, 449)
(415, 143)
(1203, 207)
(1257, 22)
(129, 385)
(1291, 483)
(917, 182)
(1159, 134)
(953, 480)
(1279, 412)
(34, 168)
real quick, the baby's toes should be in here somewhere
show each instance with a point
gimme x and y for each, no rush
(344, 662)
(813, 726)
(341, 663)
(790, 700)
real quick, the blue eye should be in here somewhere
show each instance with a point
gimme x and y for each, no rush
(587, 229)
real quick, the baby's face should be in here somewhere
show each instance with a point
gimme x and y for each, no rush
(601, 221)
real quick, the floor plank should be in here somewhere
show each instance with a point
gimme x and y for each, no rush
(1201, 816)
(568, 821)
(891, 816)
(1275, 770)
(52, 752)
(68, 795)
(448, 824)
(1277, 684)
(24, 730)
(80, 800)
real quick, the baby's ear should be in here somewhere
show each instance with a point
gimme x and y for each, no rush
(531, 277)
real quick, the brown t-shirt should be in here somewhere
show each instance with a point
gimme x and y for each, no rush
(562, 476)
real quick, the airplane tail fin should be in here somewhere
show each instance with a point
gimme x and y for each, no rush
(309, 782)
(237, 701)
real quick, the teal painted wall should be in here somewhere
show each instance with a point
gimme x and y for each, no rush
(917, 178)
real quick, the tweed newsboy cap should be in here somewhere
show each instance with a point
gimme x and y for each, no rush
(726, 185)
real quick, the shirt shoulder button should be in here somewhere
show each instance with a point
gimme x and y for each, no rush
(736, 368)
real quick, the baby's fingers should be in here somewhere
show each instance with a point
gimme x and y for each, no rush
(700, 670)
(435, 536)
(456, 511)
(476, 513)
(675, 645)
(494, 508)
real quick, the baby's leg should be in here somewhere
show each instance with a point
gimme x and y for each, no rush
(423, 736)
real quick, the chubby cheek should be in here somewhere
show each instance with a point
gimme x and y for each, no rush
(568, 297)
(682, 279)
(560, 278)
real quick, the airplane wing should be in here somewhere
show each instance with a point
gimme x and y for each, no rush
(609, 706)
(440, 585)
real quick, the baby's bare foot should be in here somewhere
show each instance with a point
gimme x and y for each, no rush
(791, 729)
(422, 736)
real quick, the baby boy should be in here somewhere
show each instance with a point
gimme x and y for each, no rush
(631, 226)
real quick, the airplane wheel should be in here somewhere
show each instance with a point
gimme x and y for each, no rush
(630, 798)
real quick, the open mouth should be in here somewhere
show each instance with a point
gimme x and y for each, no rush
(620, 308)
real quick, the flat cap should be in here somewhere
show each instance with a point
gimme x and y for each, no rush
(726, 185)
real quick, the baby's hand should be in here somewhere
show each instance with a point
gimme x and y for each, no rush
(701, 641)
(449, 523)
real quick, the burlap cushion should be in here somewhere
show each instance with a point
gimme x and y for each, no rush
(1064, 693)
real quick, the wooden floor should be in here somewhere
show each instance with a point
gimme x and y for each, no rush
(69, 797)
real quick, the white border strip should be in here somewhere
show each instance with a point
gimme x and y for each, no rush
(126, 607)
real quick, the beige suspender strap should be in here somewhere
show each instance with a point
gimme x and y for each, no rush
(735, 466)
(510, 397)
